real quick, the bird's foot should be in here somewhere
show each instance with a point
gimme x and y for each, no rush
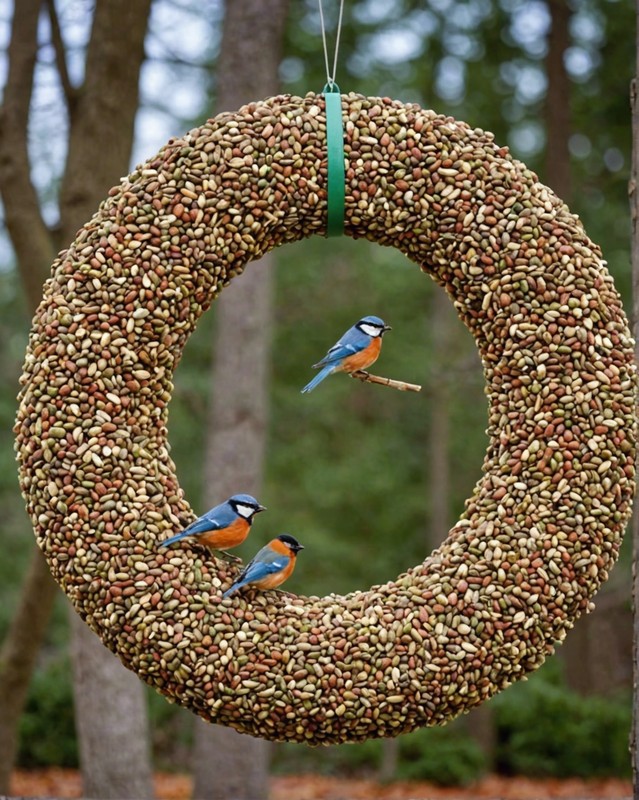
(229, 556)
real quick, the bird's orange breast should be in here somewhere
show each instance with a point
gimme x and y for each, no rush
(231, 536)
(364, 358)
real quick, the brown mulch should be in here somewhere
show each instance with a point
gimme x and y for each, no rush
(66, 783)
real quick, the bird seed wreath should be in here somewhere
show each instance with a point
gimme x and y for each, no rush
(540, 532)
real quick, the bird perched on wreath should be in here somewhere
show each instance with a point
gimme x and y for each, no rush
(358, 348)
(226, 525)
(272, 565)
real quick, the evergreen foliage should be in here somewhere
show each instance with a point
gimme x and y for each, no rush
(47, 727)
(545, 729)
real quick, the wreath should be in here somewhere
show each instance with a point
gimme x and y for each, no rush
(542, 528)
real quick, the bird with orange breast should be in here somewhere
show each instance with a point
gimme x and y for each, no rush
(358, 348)
(226, 525)
(272, 565)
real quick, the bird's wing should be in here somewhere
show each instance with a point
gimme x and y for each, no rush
(351, 342)
(266, 562)
(213, 520)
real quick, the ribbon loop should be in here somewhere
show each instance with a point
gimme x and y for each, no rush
(335, 149)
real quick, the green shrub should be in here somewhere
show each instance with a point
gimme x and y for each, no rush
(446, 756)
(545, 729)
(47, 727)
(351, 760)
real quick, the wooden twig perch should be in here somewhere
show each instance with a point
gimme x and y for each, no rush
(402, 386)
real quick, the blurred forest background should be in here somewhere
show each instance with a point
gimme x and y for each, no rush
(369, 479)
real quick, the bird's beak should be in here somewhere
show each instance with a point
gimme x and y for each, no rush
(260, 508)
(300, 547)
(387, 328)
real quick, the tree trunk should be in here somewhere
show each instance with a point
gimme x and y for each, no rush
(101, 113)
(33, 247)
(18, 657)
(634, 213)
(558, 101)
(229, 766)
(390, 760)
(110, 704)
(238, 413)
(575, 653)
(480, 723)
(442, 317)
(579, 653)
(113, 735)
(30, 236)
(103, 110)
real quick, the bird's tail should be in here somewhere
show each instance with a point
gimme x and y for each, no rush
(232, 589)
(324, 373)
(175, 538)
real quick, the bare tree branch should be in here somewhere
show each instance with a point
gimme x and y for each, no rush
(402, 386)
(60, 56)
(179, 62)
(30, 236)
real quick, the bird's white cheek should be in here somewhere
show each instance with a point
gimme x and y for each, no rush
(245, 511)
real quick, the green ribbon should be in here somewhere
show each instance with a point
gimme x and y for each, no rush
(335, 150)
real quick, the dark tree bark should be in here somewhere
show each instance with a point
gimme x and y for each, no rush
(18, 657)
(112, 727)
(109, 701)
(30, 236)
(634, 214)
(442, 318)
(102, 113)
(34, 252)
(229, 766)
(239, 392)
(558, 101)
(575, 653)
(390, 759)
(479, 723)
(584, 658)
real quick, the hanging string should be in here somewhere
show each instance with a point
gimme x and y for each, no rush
(330, 76)
(335, 185)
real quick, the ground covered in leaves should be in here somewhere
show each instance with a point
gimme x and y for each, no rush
(66, 783)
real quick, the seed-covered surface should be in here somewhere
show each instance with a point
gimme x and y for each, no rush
(542, 528)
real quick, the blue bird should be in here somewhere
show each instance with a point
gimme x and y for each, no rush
(272, 565)
(358, 348)
(226, 525)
